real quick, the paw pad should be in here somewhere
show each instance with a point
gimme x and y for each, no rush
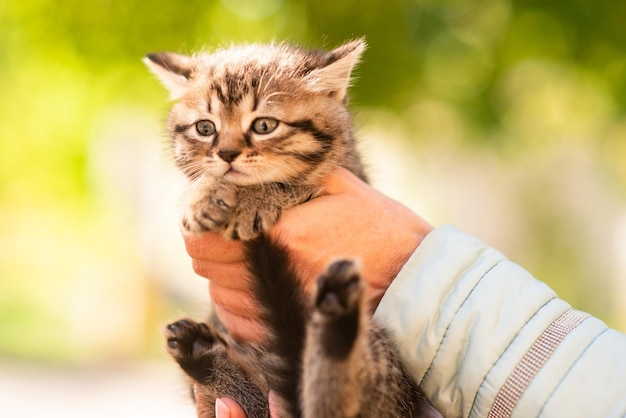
(187, 338)
(339, 289)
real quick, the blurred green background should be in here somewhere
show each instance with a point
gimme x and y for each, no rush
(504, 117)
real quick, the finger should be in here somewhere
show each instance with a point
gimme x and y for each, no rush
(238, 302)
(340, 181)
(213, 247)
(234, 276)
(241, 328)
(228, 408)
(273, 403)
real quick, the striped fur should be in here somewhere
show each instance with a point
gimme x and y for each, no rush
(255, 128)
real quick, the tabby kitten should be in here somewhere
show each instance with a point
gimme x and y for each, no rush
(255, 128)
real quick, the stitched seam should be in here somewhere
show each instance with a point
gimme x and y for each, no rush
(430, 366)
(568, 371)
(482, 383)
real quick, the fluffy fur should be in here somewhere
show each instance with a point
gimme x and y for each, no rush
(255, 128)
(276, 121)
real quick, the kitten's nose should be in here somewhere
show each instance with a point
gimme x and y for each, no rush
(228, 155)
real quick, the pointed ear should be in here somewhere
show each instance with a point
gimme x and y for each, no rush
(173, 70)
(334, 76)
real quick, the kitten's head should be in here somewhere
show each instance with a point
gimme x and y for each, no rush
(258, 113)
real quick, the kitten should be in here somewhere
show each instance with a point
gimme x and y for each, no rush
(256, 128)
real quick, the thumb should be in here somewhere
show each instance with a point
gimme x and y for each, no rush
(274, 405)
(228, 408)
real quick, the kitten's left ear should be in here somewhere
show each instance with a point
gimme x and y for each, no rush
(173, 70)
(334, 77)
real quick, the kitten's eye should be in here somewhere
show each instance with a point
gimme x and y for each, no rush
(264, 125)
(205, 127)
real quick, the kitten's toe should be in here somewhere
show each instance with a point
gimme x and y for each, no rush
(210, 212)
(339, 289)
(251, 223)
(199, 220)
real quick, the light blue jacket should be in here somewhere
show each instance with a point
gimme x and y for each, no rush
(486, 339)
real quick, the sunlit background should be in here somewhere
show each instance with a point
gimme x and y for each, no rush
(503, 117)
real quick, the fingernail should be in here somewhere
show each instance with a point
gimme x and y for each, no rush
(221, 409)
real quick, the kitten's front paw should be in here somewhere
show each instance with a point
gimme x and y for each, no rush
(251, 221)
(339, 290)
(210, 210)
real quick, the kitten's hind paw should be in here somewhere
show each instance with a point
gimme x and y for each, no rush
(189, 341)
(197, 348)
(337, 309)
(339, 289)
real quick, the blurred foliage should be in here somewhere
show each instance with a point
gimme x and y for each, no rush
(521, 82)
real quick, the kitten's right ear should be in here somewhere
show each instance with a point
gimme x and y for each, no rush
(173, 70)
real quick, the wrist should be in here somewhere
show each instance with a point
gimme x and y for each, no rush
(404, 245)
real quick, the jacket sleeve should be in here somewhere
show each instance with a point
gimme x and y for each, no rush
(486, 339)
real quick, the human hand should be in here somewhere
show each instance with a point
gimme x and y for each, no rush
(350, 220)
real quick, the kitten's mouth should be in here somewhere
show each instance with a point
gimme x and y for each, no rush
(233, 174)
